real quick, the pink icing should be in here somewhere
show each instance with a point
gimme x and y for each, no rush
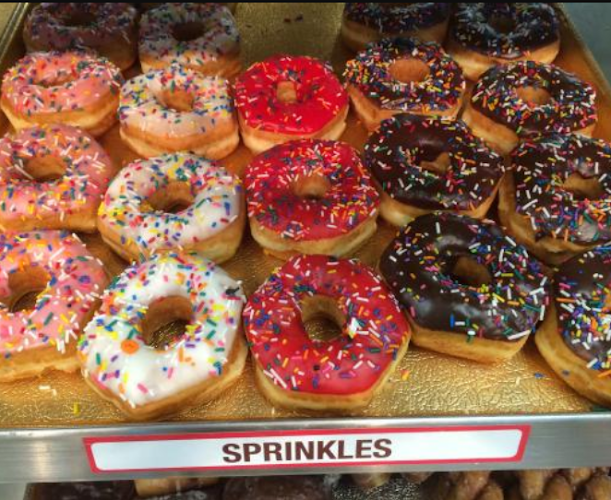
(76, 280)
(54, 82)
(88, 172)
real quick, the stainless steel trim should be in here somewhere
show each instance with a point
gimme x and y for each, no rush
(556, 441)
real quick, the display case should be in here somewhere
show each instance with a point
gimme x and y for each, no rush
(436, 413)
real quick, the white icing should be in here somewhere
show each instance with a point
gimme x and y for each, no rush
(143, 103)
(148, 375)
(216, 194)
(219, 36)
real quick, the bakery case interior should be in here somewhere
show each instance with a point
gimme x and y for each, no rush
(286, 251)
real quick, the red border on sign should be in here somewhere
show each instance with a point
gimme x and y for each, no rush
(89, 442)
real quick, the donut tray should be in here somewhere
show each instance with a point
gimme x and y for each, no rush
(47, 418)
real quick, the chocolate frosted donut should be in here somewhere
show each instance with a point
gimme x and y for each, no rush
(366, 22)
(402, 75)
(277, 488)
(525, 98)
(424, 165)
(557, 201)
(486, 34)
(470, 290)
(576, 337)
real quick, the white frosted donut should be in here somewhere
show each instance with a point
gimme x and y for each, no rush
(132, 217)
(144, 381)
(178, 109)
(201, 36)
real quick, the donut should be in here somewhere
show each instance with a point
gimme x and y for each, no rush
(277, 488)
(289, 97)
(107, 28)
(52, 177)
(200, 36)
(171, 485)
(486, 34)
(340, 374)
(100, 490)
(469, 290)
(524, 98)
(575, 339)
(556, 198)
(403, 76)
(174, 201)
(49, 288)
(371, 481)
(311, 197)
(72, 88)
(178, 109)
(120, 352)
(363, 23)
(424, 165)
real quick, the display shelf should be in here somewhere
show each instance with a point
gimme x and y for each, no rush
(555, 441)
(543, 424)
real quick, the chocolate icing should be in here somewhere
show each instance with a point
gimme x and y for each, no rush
(571, 108)
(540, 168)
(418, 267)
(102, 490)
(394, 154)
(277, 488)
(395, 19)
(535, 25)
(439, 91)
(582, 290)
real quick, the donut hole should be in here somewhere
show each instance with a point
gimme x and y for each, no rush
(25, 285)
(57, 80)
(79, 18)
(438, 165)
(322, 318)
(44, 168)
(312, 187)
(409, 70)
(502, 24)
(583, 188)
(166, 320)
(188, 31)
(534, 97)
(468, 271)
(178, 100)
(172, 198)
(286, 92)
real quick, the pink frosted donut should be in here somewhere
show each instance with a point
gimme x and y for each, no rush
(108, 28)
(73, 88)
(68, 281)
(52, 177)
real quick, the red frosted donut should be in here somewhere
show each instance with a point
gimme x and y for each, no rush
(296, 371)
(289, 97)
(311, 197)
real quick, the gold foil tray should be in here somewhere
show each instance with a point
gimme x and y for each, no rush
(425, 384)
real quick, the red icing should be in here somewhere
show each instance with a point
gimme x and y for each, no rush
(374, 331)
(350, 200)
(320, 95)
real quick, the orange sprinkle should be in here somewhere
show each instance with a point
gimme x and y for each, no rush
(129, 346)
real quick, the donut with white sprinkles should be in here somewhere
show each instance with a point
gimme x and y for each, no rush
(469, 290)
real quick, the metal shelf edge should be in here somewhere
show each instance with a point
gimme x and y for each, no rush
(556, 441)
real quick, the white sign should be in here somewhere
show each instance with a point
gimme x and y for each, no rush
(308, 448)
